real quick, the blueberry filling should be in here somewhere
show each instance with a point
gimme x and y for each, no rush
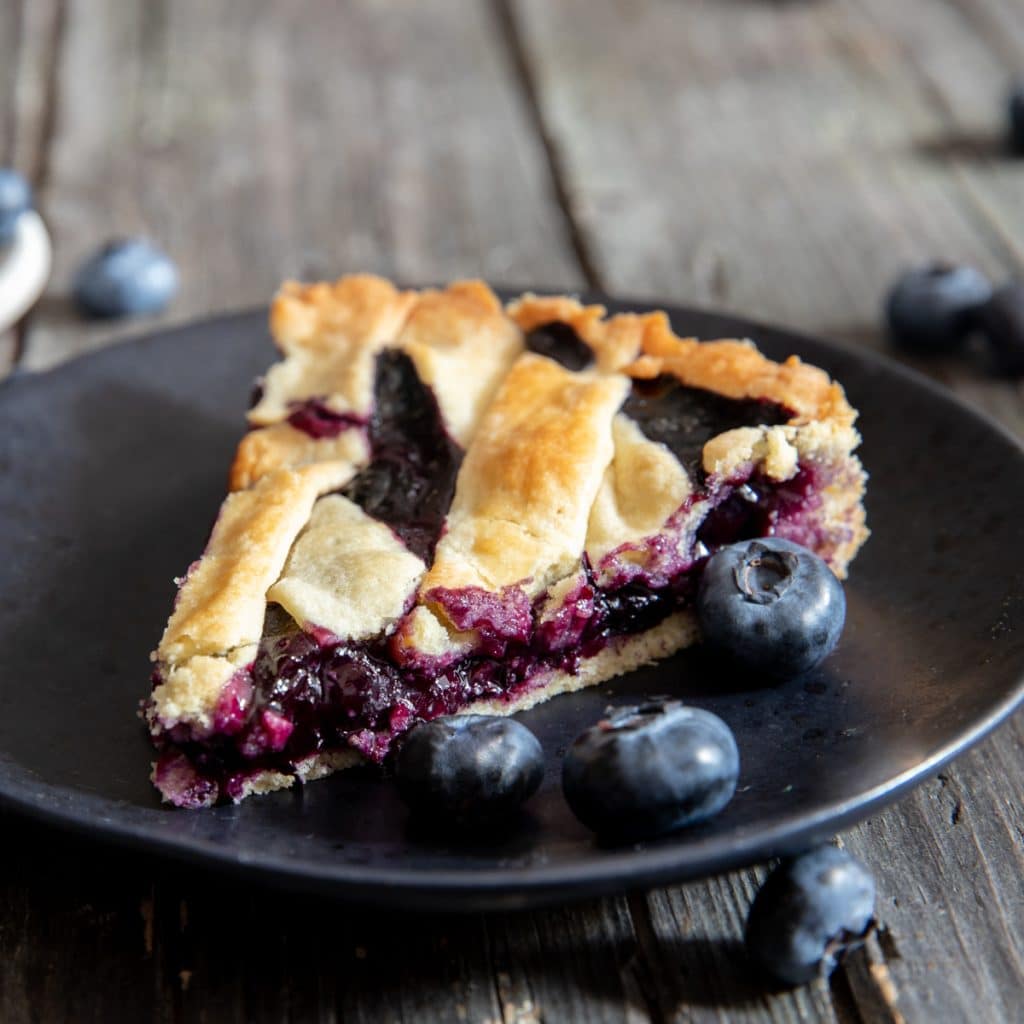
(313, 417)
(302, 696)
(754, 510)
(305, 694)
(684, 419)
(560, 342)
(410, 480)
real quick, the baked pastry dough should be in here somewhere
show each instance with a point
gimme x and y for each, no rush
(446, 505)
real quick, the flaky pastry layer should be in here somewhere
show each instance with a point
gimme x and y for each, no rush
(552, 469)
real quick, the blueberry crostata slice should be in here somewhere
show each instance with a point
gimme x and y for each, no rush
(446, 505)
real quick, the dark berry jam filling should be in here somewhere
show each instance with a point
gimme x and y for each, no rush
(782, 509)
(410, 480)
(306, 693)
(498, 618)
(560, 342)
(684, 419)
(303, 696)
(313, 417)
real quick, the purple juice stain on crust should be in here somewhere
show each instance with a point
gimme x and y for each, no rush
(232, 709)
(314, 418)
(498, 618)
(564, 630)
(782, 509)
(306, 695)
(180, 782)
(410, 481)
(268, 732)
(684, 419)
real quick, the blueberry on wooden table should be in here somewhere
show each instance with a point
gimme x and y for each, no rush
(770, 607)
(469, 769)
(126, 277)
(808, 914)
(931, 309)
(1001, 322)
(645, 771)
(15, 199)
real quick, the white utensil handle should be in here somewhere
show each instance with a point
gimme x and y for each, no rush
(24, 268)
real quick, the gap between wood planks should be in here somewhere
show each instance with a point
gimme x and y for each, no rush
(509, 33)
(985, 219)
(863, 988)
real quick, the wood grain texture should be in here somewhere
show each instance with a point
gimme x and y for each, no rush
(788, 161)
(258, 140)
(780, 160)
(29, 34)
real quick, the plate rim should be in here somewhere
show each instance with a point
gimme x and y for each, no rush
(532, 884)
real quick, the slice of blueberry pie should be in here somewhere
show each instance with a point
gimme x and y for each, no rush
(447, 505)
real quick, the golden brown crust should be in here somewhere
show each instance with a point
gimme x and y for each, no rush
(189, 690)
(330, 334)
(282, 446)
(459, 338)
(737, 370)
(529, 479)
(347, 573)
(222, 600)
(463, 345)
(323, 317)
(551, 469)
(615, 341)
(643, 485)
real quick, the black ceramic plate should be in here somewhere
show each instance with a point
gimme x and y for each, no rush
(111, 470)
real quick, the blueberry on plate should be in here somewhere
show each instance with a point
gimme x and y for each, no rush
(15, 199)
(809, 913)
(771, 607)
(469, 769)
(1001, 321)
(1015, 112)
(126, 277)
(931, 309)
(648, 770)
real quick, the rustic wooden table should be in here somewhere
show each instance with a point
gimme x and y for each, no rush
(781, 160)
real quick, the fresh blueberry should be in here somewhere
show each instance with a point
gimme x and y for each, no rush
(930, 309)
(1015, 110)
(809, 913)
(126, 277)
(648, 770)
(469, 769)
(1001, 321)
(15, 199)
(771, 607)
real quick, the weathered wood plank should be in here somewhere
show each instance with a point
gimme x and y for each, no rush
(949, 862)
(800, 211)
(953, 76)
(261, 140)
(10, 40)
(29, 34)
(575, 964)
(384, 161)
(774, 159)
(108, 935)
(757, 163)
(694, 961)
